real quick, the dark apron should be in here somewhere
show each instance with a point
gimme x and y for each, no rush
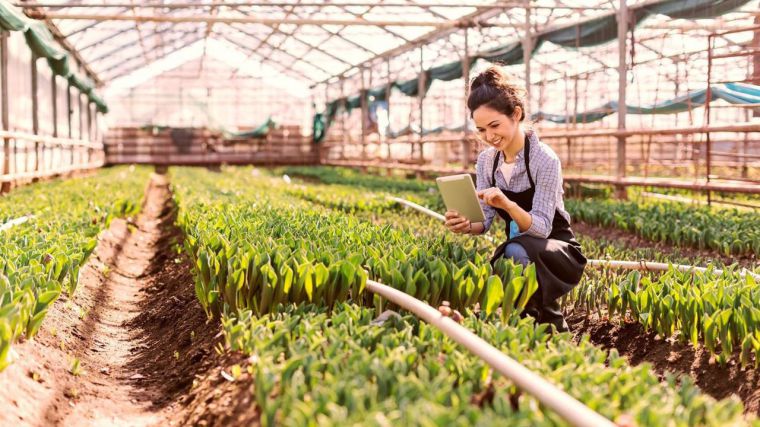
(558, 258)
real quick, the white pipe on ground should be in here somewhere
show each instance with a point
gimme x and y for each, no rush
(575, 412)
(15, 222)
(626, 265)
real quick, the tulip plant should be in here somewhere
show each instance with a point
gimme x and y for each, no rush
(42, 257)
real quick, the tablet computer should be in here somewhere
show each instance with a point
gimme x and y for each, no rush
(459, 195)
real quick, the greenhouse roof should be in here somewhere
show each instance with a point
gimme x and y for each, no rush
(316, 42)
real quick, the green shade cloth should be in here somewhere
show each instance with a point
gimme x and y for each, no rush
(594, 32)
(99, 103)
(379, 93)
(734, 93)
(83, 84)
(412, 87)
(260, 131)
(11, 17)
(43, 45)
(353, 102)
(318, 129)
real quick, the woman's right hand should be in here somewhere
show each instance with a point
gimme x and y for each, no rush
(457, 223)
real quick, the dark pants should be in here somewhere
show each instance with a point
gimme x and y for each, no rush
(543, 313)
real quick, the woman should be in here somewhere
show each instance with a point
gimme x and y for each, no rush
(520, 178)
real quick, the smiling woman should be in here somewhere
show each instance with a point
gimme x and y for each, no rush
(526, 193)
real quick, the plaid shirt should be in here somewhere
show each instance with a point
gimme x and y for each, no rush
(546, 170)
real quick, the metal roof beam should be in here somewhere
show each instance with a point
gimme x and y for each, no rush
(124, 72)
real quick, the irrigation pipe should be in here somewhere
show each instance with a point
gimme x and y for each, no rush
(575, 412)
(15, 222)
(626, 265)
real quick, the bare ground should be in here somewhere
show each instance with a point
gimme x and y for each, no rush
(144, 345)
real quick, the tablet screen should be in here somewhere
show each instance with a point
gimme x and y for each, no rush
(459, 195)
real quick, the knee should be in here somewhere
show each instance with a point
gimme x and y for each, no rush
(516, 252)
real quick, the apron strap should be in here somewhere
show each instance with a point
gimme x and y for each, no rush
(493, 171)
(527, 161)
(526, 154)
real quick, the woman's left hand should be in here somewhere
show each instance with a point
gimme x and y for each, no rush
(494, 197)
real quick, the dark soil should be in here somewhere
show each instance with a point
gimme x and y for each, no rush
(640, 346)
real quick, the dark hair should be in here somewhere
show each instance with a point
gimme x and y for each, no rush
(496, 89)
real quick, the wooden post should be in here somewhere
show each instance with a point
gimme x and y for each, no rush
(622, 21)
(5, 185)
(421, 94)
(89, 132)
(81, 124)
(324, 152)
(35, 115)
(54, 90)
(527, 45)
(344, 131)
(388, 110)
(756, 61)
(364, 115)
(466, 77)
(69, 105)
(54, 105)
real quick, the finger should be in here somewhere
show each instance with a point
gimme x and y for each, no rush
(457, 221)
(451, 214)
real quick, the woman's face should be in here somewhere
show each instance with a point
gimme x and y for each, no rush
(495, 128)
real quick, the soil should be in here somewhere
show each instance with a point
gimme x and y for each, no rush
(667, 355)
(145, 347)
(630, 240)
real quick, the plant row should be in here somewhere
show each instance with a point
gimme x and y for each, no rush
(41, 258)
(329, 360)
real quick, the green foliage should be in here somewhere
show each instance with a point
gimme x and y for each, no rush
(726, 231)
(41, 258)
(317, 357)
(313, 367)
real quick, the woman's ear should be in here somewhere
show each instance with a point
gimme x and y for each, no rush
(517, 114)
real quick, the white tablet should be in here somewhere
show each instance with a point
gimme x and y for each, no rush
(459, 195)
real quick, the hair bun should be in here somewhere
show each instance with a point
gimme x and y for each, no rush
(495, 88)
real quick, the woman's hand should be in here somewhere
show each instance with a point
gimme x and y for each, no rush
(457, 223)
(495, 197)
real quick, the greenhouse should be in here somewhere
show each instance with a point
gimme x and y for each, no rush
(401, 212)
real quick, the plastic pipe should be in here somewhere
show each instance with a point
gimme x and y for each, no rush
(627, 265)
(575, 412)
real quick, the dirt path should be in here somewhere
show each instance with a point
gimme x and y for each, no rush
(134, 327)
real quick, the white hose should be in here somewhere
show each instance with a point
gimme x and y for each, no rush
(626, 265)
(15, 222)
(575, 412)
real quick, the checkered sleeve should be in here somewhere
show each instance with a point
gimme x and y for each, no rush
(483, 170)
(547, 174)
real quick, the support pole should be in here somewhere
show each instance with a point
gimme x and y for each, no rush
(81, 126)
(364, 115)
(708, 99)
(756, 61)
(421, 94)
(344, 131)
(35, 113)
(70, 110)
(5, 186)
(622, 21)
(466, 77)
(324, 151)
(388, 110)
(89, 133)
(527, 45)
(54, 91)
